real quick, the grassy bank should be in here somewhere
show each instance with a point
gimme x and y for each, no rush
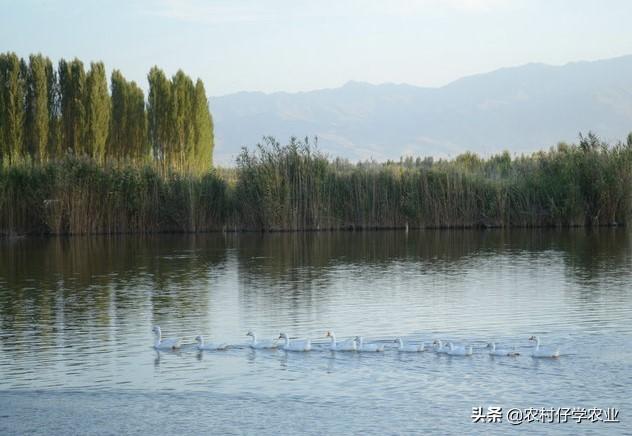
(294, 187)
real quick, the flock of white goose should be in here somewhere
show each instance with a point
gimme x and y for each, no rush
(357, 344)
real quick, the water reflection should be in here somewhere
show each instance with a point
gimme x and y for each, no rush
(101, 284)
(81, 263)
(78, 311)
(301, 258)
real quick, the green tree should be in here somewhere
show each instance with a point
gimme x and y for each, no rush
(180, 126)
(97, 111)
(44, 112)
(128, 127)
(203, 130)
(12, 78)
(118, 121)
(159, 118)
(36, 126)
(136, 122)
(182, 139)
(72, 81)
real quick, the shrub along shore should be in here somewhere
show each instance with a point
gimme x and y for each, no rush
(294, 187)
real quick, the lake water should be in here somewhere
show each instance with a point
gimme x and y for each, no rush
(76, 317)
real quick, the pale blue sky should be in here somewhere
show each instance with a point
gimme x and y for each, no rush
(294, 45)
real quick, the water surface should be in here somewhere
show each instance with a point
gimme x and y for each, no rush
(76, 317)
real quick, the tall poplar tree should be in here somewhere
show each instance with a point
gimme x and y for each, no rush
(182, 93)
(117, 146)
(72, 80)
(159, 116)
(136, 122)
(13, 74)
(45, 112)
(97, 111)
(203, 129)
(128, 127)
(36, 126)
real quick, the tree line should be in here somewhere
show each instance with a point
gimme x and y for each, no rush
(48, 112)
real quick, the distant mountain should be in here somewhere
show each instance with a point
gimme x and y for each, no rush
(519, 109)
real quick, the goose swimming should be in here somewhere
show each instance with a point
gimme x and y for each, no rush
(296, 344)
(368, 347)
(261, 345)
(164, 344)
(542, 351)
(348, 345)
(439, 347)
(408, 348)
(459, 350)
(493, 351)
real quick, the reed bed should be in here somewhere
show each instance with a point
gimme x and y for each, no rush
(79, 196)
(295, 187)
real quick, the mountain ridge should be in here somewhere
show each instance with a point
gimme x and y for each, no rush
(520, 109)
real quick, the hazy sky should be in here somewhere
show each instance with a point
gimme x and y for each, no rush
(294, 45)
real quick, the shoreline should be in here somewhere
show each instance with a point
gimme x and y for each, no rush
(343, 229)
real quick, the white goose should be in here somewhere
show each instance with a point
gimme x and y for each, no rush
(348, 345)
(408, 348)
(165, 344)
(260, 345)
(459, 350)
(208, 347)
(493, 351)
(543, 352)
(371, 348)
(295, 345)
(439, 347)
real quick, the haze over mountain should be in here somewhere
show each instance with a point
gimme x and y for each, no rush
(520, 109)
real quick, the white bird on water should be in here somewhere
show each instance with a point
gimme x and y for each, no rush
(296, 344)
(348, 345)
(439, 347)
(261, 345)
(165, 344)
(493, 351)
(208, 347)
(409, 348)
(460, 350)
(368, 347)
(542, 351)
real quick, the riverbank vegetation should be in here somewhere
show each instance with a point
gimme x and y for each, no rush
(292, 187)
(79, 157)
(295, 187)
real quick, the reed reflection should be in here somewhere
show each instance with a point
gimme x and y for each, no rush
(111, 285)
